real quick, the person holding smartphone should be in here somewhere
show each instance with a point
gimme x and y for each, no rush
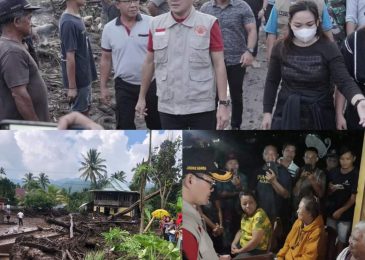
(310, 181)
(273, 185)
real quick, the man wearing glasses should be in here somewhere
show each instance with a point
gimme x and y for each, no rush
(185, 50)
(124, 45)
(199, 176)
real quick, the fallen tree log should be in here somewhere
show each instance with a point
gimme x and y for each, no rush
(62, 224)
(45, 249)
(135, 204)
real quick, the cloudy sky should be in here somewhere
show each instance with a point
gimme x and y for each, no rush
(58, 153)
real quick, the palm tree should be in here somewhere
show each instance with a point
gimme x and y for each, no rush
(92, 167)
(43, 180)
(135, 183)
(120, 175)
(28, 178)
(2, 172)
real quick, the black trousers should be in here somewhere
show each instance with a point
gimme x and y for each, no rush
(258, 24)
(20, 221)
(126, 95)
(235, 75)
(198, 121)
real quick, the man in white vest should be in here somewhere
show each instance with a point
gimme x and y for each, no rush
(185, 51)
(199, 176)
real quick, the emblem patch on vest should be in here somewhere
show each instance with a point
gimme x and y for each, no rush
(200, 30)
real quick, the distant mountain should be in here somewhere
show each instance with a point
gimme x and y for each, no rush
(76, 184)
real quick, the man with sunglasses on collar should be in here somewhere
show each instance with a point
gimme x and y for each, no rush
(23, 93)
(199, 176)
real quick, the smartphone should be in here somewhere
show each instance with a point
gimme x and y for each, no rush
(271, 165)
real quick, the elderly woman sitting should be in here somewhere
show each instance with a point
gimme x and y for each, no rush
(255, 232)
(356, 249)
(302, 241)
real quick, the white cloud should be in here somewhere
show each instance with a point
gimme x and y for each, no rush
(58, 153)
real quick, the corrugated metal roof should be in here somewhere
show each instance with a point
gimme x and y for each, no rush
(115, 185)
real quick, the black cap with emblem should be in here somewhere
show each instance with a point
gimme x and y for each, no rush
(201, 160)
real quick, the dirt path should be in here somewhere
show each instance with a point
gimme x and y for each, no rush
(253, 90)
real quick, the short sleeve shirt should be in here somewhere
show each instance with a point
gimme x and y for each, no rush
(259, 221)
(232, 20)
(229, 205)
(17, 67)
(74, 38)
(128, 48)
(272, 24)
(267, 198)
(348, 183)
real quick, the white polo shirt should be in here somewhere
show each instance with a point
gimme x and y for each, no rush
(128, 50)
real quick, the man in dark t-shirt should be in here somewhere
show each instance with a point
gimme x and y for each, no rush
(78, 67)
(23, 93)
(342, 189)
(273, 185)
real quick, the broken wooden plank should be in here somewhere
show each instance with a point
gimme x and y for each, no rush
(135, 204)
(62, 224)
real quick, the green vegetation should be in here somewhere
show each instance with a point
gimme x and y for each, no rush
(140, 246)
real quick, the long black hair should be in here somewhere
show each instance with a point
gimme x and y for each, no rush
(303, 6)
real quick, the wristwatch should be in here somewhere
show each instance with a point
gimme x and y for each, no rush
(224, 102)
(250, 50)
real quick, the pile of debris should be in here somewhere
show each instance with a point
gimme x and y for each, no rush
(87, 237)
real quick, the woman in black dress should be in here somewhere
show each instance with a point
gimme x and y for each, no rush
(304, 64)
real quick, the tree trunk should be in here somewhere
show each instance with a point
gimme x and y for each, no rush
(143, 185)
(71, 226)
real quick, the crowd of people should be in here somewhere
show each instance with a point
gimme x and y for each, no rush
(173, 69)
(239, 214)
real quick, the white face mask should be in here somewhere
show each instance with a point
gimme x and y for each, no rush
(305, 35)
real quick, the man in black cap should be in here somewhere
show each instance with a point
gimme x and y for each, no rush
(331, 160)
(199, 176)
(23, 93)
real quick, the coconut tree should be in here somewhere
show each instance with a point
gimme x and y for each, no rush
(30, 181)
(43, 180)
(120, 175)
(92, 167)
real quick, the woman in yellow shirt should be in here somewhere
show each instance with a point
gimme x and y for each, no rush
(255, 232)
(303, 240)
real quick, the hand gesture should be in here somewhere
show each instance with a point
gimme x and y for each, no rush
(341, 123)
(222, 117)
(270, 175)
(361, 112)
(141, 109)
(266, 121)
(246, 59)
(71, 94)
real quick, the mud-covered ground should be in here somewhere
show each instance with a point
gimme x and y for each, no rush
(48, 47)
